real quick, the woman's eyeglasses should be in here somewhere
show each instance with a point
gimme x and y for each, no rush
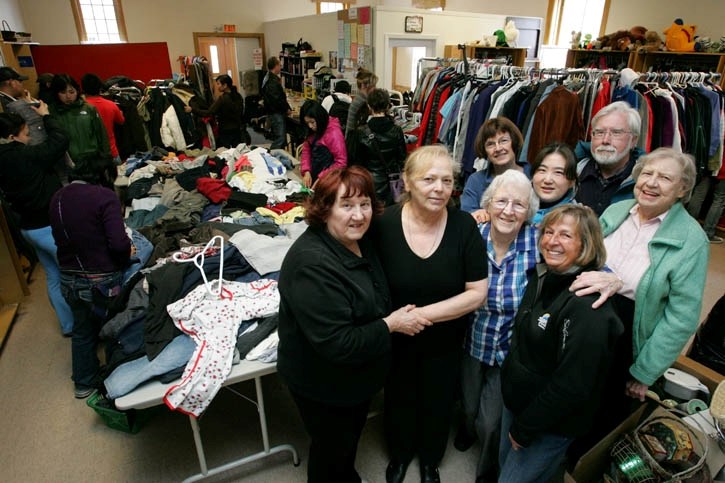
(516, 205)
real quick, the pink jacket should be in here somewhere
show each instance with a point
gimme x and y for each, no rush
(333, 140)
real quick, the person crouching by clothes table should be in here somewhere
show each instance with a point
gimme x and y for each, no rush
(335, 322)
(93, 251)
(561, 351)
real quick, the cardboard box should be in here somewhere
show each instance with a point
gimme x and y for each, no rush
(595, 462)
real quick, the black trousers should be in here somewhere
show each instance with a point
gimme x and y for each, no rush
(334, 432)
(419, 398)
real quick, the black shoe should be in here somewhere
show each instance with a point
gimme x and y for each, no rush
(463, 440)
(395, 472)
(429, 474)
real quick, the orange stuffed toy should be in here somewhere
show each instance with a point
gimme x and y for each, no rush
(680, 37)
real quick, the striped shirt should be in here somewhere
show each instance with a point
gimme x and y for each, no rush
(489, 336)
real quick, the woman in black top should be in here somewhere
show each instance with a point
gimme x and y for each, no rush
(228, 109)
(378, 145)
(561, 351)
(334, 322)
(434, 258)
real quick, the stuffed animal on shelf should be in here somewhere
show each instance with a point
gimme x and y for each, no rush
(512, 33)
(680, 37)
(703, 44)
(576, 38)
(500, 38)
(588, 43)
(652, 41)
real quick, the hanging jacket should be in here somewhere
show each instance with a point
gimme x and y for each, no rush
(84, 127)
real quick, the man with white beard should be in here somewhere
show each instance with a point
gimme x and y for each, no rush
(615, 130)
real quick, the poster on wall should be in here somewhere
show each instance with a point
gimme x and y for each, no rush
(354, 38)
(257, 58)
(333, 59)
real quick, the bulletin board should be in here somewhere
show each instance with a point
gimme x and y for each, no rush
(354, 39)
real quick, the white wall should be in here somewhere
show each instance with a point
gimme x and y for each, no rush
(658, 15)
(447, 28)
(10, 10)
(319, 30)
(173, 21)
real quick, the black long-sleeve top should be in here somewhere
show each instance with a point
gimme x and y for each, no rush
(228, 110)
(27, 175)
(334, 346)
(561, 351)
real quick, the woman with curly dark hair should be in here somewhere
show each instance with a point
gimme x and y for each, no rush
(335, 321)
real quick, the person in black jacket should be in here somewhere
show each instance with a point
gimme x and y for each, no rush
(378, 145)
(335, 322)
(275, 103)
(28, 181)
(561, 351)
(228, 109)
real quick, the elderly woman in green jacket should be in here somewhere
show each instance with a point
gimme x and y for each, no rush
(659, 256)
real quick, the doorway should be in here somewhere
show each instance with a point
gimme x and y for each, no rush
(405, 63)
(401, 56)
(228, 52)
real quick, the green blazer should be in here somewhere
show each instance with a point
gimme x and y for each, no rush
(669, 295)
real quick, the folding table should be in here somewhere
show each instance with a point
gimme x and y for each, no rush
(152, 394)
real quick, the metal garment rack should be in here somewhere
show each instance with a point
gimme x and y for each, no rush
(152, 394)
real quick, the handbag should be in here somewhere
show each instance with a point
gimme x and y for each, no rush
(395, 178)
(7, 33)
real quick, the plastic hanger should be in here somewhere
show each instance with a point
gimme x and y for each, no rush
(198, 261)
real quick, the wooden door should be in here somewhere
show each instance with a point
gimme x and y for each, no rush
(222, 55)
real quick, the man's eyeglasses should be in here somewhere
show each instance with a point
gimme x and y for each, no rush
(502, 203)
(614, 133)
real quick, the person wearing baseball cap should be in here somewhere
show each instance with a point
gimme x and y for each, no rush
(11, 86)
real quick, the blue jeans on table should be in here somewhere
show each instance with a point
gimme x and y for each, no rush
(535, 463)
(279, 131)
(144, 249)
(42, 241)
(129, 375)
(86, 293)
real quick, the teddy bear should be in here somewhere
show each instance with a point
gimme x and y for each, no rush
(652, 41)
(576, 38)
(680, 37)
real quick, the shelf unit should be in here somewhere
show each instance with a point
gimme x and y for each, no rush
(18, 56)
(514, 55)
(656, 61)
(295, 67)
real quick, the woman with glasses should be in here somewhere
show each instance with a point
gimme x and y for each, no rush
(511, 253)
(659, 256)
(498, 143)
(431, 254)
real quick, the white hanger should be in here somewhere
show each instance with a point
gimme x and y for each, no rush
(198, 260)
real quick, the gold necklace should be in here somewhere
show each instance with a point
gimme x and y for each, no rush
(439, 232)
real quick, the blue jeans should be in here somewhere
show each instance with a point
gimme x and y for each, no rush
(535, 463)
(716, 208)
(279, 131)
(144, 249)
(129, 375)
(42, 241)
(86, 293)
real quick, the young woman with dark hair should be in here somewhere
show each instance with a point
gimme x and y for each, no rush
(324, 147)
(80, 120)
